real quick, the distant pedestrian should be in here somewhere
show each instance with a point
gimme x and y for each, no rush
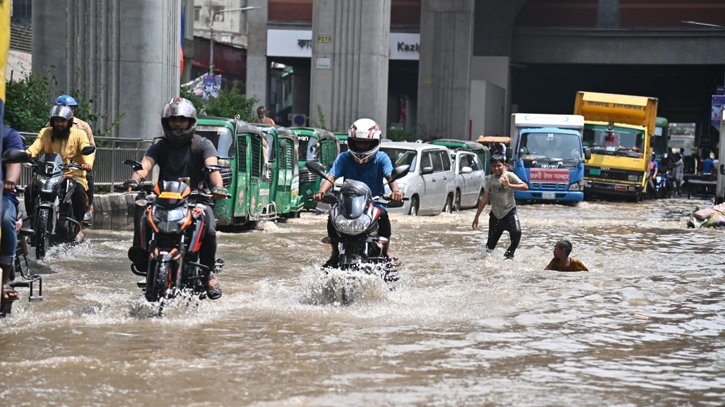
(562, 261)
(499, 187)
(707, 164)
(679, 173)
(262, 116)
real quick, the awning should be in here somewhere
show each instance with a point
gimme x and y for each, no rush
(494, 139)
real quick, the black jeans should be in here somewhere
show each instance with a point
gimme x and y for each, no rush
(91, 186)
(207, 253)
(497, 226)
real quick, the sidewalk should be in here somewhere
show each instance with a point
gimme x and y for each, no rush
(110, 210)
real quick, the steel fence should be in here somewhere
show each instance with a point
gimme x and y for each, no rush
(108, 168)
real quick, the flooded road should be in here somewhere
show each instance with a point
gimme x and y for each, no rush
(459, 329)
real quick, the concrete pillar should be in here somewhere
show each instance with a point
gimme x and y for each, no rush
(257, 67)
(123, 53)
(350, 52)
(445, 68)
(608, 14)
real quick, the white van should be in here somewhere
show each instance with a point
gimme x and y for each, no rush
(430, 186)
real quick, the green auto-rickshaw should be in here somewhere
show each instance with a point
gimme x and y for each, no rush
(283, 159)
(315, 145)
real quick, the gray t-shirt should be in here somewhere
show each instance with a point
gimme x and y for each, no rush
(501, 197)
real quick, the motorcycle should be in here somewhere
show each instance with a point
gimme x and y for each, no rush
(51, 191)
(663, 185)
(355, 218)
(173, 225)
(21, 266)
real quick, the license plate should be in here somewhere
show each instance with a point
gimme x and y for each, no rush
(620, 188)
(549, 195)
(595, 171)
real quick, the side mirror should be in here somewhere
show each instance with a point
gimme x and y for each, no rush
(318, 169)
(587, 154)
(426, 170)
(88, 150)
(466, 170)
(16, 157)
(135, 165)
(399, 172)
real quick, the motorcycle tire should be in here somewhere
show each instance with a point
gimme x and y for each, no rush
(42, 235)
(156, 282)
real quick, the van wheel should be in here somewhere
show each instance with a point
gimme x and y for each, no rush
(457, 201)
(448, 207)
(414, 206)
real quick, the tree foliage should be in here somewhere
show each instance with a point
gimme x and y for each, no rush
(229, 103)
(28, 102)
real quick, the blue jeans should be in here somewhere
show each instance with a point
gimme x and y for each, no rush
(9, 240)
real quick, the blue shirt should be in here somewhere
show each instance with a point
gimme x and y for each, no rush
(371, 173)
(652, 167)
(11, 141)
(707, 165)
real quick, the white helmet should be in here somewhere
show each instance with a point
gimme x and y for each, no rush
(364, 129)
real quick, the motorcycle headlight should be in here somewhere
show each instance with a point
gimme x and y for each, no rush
(352, 226)
(49, 184)
(659, 178)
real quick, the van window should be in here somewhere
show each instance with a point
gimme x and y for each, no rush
(446, 158)
(400, 156)
(437, 160)
(425, 161)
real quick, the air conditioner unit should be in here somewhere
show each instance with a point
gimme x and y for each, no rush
(298, 119)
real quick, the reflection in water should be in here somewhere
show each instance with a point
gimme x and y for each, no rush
(458, 329)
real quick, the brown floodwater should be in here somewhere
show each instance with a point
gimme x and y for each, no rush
(644, 327)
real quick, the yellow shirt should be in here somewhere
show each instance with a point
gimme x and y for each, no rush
(574, 265)
(66, 148)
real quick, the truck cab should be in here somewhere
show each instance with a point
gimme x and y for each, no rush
(547, 154)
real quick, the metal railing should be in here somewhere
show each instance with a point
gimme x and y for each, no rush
(108, 169)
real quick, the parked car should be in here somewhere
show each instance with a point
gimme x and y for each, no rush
(483, 152)
(430, 185)
(470, 176)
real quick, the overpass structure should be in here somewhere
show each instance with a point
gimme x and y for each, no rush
(464, 65)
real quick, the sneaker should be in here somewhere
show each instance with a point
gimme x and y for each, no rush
(508, 256)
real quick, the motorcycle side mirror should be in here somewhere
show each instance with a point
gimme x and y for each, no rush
(16, 157)
(399, 172)
(88, 150)
(212, 168)
(135, 165)
(318, 169)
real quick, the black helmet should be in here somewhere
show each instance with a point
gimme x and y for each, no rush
(179, 107)
(63, 112)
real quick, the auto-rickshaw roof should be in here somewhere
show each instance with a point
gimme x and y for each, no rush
(214, 121)
(244, 127)
(309, 131)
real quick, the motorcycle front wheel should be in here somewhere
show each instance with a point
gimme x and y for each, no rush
(42, 235)
(156, 282)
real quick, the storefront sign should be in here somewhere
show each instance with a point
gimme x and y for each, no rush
(298, 43)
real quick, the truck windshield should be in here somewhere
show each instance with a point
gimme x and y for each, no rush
(618, 141)
(555, 146)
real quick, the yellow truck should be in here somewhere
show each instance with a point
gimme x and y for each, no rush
(618, 130)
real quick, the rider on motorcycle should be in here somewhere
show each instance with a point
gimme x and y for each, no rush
(64, 139)
(363, 162)
(9, 241)
(182, 154)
